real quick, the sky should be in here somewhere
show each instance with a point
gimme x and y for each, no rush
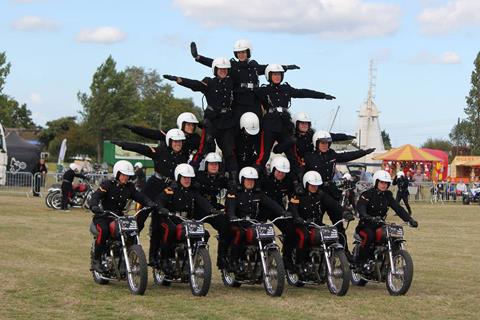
(423, 52)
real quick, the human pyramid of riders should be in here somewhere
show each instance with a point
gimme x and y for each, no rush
(252, 126)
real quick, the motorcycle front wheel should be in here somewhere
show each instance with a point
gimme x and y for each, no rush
(138, 276)
(399, 282)
(56, 201)
(201, 277)
(338, 280)
(274, 279)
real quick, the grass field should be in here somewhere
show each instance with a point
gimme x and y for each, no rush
(44, 262)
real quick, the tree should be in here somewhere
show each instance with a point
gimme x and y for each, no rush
(4, 70)
(468, 130)
(439, 144)
(158, 108)
(111, 103)
(386, 140)
(56, 128)
(13, 115)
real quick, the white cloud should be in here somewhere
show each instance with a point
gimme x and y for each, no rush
(455, 14)
(35, 98)
(326, 18)
(425, 57)
(34, 23)
(101, 35)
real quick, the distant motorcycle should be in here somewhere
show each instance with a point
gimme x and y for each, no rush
(326, 261)
(390, 263)
(124, 258)
(261, 261)
(191, 262)
(82, 192)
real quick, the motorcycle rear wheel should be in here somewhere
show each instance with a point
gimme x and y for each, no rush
(201, 277)
(274, 280)
(138, 277)
(338, 281)
(399, 283)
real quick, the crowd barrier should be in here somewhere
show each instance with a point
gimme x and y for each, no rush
(28, 184)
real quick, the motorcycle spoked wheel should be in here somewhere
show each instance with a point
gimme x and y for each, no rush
(95, 275)
(201, 277)
(338, 281)
(274, 279)
(48, 199)
(138, 277)
(56, 201)
(399, 283)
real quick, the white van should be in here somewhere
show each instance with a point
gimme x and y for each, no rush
(3, 157)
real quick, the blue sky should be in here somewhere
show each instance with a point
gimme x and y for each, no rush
(423, 51)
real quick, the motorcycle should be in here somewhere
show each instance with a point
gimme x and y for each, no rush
(261, 261)
(191, 262)
(124, 258)
(326, 261)
(391, 263)
(82, 192)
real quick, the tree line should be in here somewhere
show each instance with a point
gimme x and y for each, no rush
(138, 96)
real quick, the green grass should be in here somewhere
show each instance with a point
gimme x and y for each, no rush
(44, 262)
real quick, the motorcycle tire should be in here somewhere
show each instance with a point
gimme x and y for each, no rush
(338, 281)
(201, 278)
(138, 277)
(48, 199)
(274, 280)
(56, 201)
(399, 283)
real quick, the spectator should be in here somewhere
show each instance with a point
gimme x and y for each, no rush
(39, 179)
(461, 187)
(417, 179)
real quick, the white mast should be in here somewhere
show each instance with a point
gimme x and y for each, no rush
(369, 134)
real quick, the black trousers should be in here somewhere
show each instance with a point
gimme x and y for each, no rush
(104, 228)
(67, 191)
(269, 138)
(403, 196)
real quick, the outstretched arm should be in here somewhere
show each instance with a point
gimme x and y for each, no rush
(147, 132)
(307, 93)
(200, 59)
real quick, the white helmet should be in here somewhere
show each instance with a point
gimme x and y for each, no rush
(185, 117)
(347, 176)
(281, 164)
(301, 116)
(124, 167)
(220, 62)
(400, 174)
(249, 121)
(273, 68)
(312, 177)
(184, 170)
(75, 166)
(138, 165)
(247, 173)
(174, 134)
(381, 175)
(242, 45)
(213, 157)
(321, 135)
